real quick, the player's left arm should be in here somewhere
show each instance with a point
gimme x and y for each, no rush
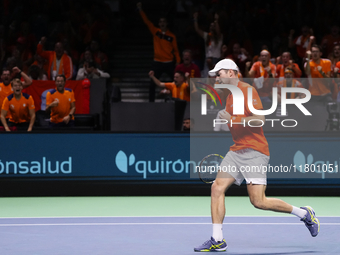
(27, 80)
(32, 115)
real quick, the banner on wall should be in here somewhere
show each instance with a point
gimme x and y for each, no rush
(156, 157)
(81, 89)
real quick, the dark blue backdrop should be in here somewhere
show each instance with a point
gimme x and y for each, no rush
(151, 157)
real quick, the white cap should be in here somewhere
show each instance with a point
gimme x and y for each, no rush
(227, 64)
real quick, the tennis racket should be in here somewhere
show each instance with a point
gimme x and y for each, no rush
(209, 167)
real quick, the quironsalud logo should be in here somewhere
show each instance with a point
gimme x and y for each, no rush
(300, 160)
(307, 164)
(122, 161)
(152, 165)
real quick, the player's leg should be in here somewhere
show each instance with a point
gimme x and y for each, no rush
(223, 181)
(218, 188)
(256, 186)
(259, 200)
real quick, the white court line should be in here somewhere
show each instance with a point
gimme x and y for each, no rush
(151, 223)
(162, 216)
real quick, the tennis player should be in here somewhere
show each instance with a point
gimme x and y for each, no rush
(250, 149)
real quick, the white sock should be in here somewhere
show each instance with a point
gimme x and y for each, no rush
(299, 212)
(217, 232)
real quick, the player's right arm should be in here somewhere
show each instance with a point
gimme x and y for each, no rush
(151, 27)
(155, 80)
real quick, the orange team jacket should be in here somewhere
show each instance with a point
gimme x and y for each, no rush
(19, 109)
(260, 71)
(283, 84)
(246, 137)
(5, 91)
(280, 71)
(181, 92)
(164, 44)
(317, 86)
(64, 106)
(65, 66)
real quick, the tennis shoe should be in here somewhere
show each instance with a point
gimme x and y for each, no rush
(212, 245)
(311, 222)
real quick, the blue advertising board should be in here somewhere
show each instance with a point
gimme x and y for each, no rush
(153, 157)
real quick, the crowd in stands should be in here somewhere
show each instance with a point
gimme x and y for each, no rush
(280, 40)
(56, 37)
(49, 40)
(264, 40)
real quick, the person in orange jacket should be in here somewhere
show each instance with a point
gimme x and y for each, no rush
(58, 61)
(165, 50)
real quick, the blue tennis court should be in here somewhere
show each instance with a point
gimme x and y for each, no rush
(163, 235)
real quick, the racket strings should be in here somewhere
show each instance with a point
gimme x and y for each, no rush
(209, 167)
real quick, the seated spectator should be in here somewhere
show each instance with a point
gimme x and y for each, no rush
(71, 52)
(334, 57)
(240, 56)
(257, 57)
(188, 124)
(330, 40)
(301, 42)
(87, 57)
(36, 73)
(11, 62)
(58, 61)
(41, 63)
(287, 62)
(22, 53)
(20, 107)
(91, 72)
(316, 67)
(61, 103)
(188, 66)
(99, 57)
(261, 71)
(289, 82)
(179, 88)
